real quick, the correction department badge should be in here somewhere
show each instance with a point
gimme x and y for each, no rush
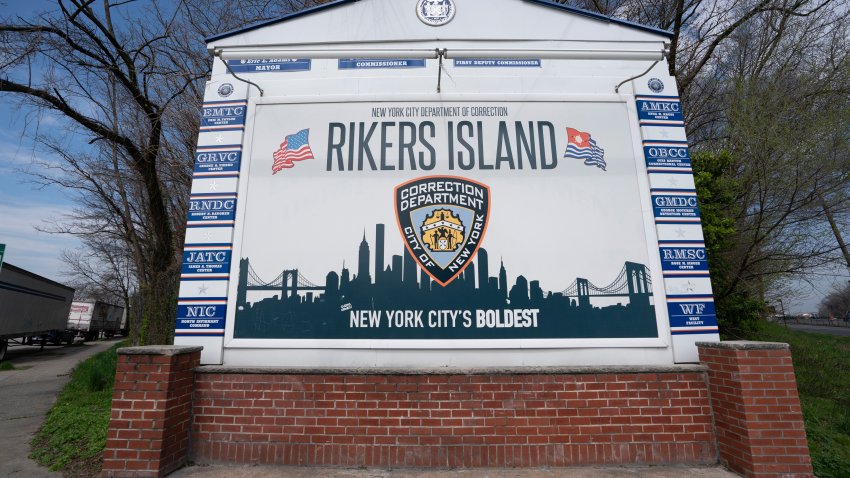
(442, 220)
(435, 12)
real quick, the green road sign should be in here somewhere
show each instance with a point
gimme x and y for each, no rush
(2, 251)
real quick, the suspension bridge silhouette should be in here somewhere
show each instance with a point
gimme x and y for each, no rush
(287, 281)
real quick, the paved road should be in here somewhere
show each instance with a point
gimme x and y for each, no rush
(820, 329)
(26, 395)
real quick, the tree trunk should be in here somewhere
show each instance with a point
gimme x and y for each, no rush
(158, 298)
(837, 232)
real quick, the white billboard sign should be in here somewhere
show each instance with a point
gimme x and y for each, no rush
(351, 215)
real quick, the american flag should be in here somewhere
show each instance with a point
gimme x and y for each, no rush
(581, 146)
(295, 147)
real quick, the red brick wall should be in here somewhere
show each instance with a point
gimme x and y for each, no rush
(760, 430)
(151, 411)
(452, 420)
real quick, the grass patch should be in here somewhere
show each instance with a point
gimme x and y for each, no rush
(822, 366)
(73, 437)
(6, 366)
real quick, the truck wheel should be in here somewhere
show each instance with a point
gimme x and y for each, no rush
(3, 346)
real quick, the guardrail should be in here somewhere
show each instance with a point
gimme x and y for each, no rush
(819, 321)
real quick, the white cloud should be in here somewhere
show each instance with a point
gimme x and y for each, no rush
(14, 155)
(22, 206)
(26, 247)
(21, 155)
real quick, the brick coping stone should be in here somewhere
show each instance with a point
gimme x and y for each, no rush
(572, 370)
(166, 350)
(743, 345)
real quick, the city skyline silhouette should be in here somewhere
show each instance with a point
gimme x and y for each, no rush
(308, 310)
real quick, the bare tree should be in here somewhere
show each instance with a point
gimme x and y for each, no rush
(99, 270)
(785, 120)
(767, 81)
(836, 304)
(83, 67)
(701, 34)
(128, 92)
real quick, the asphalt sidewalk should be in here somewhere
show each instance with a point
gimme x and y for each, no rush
(572, 472)
(26, 395)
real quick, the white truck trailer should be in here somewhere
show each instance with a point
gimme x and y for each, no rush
(91, 319)
(32, 306)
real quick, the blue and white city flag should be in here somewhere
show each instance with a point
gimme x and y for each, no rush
(581, 146)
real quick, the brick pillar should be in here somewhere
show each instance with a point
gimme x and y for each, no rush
(151, 411)
(757, 415)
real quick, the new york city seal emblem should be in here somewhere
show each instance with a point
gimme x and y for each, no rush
(435, 12)
(442, 220)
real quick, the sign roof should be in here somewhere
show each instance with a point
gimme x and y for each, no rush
(347, 21)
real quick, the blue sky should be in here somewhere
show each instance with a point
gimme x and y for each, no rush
(25, 206)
